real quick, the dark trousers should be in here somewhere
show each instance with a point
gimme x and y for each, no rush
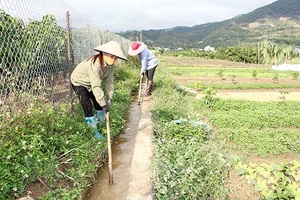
(150, 73)
(86, 99)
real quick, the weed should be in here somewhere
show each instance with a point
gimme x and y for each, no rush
(209, 97)
(254, 74)
(275, 78)
(233, 79)
(295, 75)
(221, 74)
(283, 93)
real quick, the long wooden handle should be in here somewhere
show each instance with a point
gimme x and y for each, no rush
(111, 181)
(140, 88)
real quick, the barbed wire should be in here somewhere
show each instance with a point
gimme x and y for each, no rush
(35, 59)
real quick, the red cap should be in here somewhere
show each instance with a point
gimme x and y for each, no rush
(136, 48)
(135, 45)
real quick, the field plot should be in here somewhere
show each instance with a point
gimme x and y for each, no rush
(255, 111)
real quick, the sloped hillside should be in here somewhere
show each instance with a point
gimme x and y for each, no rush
(279, 21)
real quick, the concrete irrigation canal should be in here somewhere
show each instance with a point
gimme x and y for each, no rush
(131, 159)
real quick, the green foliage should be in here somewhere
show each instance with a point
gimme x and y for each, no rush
(276, 181)
(295, 75)
(186, 164)
(41, 143)
(209, 98)
(266, 126)
(221, 74)
(31, 53)
(283, 93)
(251, 128)
(254, 74)
(133, 61)
(262, 128)
(272, 53)
(26, 138)
(127, 75)
(62, 194)
(267, 52)
(275, 78)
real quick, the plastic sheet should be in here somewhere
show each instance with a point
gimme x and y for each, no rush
(194, 123)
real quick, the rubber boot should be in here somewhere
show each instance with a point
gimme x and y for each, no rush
(100, 115)
(92, 122)
(148, 89)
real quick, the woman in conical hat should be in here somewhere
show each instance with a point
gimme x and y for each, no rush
(86, 81)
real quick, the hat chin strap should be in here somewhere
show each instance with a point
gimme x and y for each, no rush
(109, 60)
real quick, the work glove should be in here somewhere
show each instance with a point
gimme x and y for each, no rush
(105, 109)
(108, 102)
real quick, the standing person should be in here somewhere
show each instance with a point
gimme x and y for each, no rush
(86, 81)
(149, 63)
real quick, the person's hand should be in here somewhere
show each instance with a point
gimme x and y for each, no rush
(142, 75)
(108, 102)
(105, 109)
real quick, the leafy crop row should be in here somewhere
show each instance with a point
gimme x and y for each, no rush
(261, 128)
(254, 129)
(276, 181)
(187, 164)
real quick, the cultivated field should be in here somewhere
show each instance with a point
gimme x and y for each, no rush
(254, 110)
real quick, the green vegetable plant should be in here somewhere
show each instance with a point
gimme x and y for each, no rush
(275, 181)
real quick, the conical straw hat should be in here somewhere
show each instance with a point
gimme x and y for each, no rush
(113, 48)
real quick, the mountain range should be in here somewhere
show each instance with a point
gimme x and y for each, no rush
(278, 22)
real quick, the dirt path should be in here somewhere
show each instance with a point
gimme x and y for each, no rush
(253, 95)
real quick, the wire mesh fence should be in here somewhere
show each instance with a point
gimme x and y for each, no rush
(40, 44)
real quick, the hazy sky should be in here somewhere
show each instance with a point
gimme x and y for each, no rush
(124, 15)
